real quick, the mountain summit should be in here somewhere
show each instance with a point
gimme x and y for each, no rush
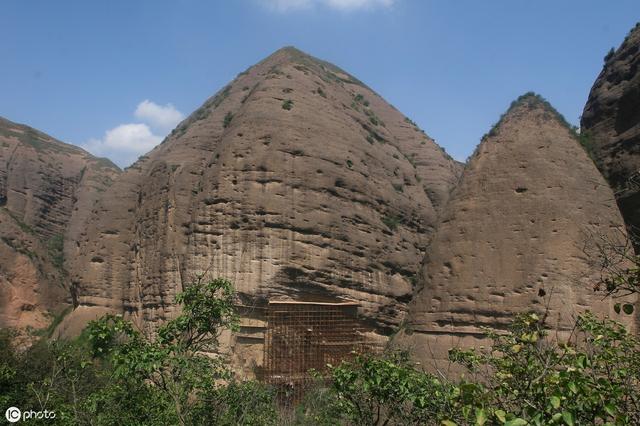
(513, 235)
(294, 181)
(611, 126)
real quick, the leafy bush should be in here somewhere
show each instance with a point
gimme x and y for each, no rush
(593, 377)
(174, 363)
(524, 378)
(389, 390)
(238, 403)
(112, 374)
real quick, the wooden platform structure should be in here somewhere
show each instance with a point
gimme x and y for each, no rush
(303, 337)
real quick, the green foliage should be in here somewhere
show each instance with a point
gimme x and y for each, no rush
(410, 121)
(531, 100)
(586, 141)
(238, 403)
(591, 378)
(113, 374)
(287, 104)
(389, 390)
(609, 55)
(227, 119)
(174, 363)
(526, 377)
(55, 248)
(48, 375)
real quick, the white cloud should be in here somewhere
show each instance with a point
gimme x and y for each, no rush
(125, 143)
(132, 137)
(164, 117)
(342, 5)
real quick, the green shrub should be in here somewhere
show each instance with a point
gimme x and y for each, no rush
(287, 104)
(227, 119)
(609, 55)
(55, 248)
(391, 222)
(592, 377)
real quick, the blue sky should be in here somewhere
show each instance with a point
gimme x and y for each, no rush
(115, 76)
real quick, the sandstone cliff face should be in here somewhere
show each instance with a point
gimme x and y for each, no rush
(46, 191)
(294, 181)
(512, 237)
(611, 125)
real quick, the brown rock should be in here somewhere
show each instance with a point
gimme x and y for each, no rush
(294, 181)
(611, 125)
(512, 237)
(47, 189)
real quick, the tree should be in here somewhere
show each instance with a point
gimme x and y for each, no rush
(180, 363)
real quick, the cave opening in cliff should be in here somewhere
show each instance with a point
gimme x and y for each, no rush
(304, 337)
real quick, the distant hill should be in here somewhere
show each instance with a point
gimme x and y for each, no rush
(47, 190)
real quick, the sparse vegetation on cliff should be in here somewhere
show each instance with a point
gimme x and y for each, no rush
(227, 119)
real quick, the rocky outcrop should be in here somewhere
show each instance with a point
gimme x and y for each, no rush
(611, 126)
(47, 189)
(294, 181)
(513, 236)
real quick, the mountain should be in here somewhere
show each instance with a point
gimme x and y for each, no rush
(295, 181)
(514, 236)
(47, 189)
(610, 125)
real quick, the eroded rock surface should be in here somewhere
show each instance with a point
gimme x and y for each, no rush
(513, 236)
(47, 189)
(294, 181)
(611, 125)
